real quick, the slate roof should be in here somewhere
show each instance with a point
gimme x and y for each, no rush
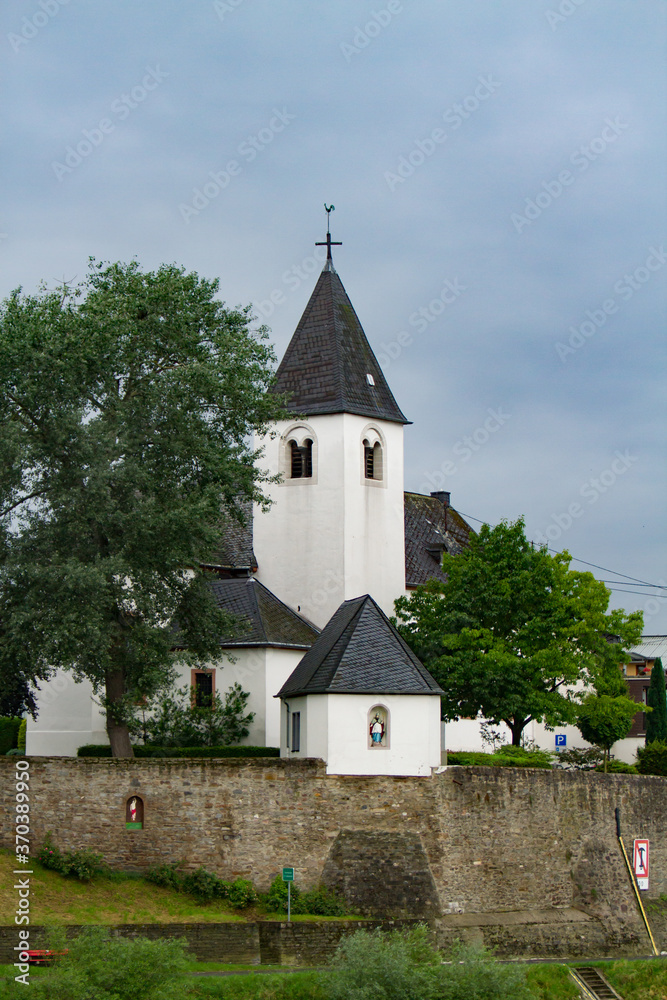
(267, 621)
(430, 528)
(327, 360)
(235, 551)
(359, 652)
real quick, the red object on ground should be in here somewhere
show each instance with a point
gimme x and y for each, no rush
(42, 956)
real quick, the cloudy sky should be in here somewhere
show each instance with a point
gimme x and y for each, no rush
(497, 171)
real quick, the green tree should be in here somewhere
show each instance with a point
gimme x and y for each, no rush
(514, 630)
(126, 410)
(177, 722)
(656, 724)
(604, 719)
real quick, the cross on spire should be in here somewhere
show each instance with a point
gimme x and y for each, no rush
(329, 243)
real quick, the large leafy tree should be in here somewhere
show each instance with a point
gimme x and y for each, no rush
(656, 723)
(514, 630)
(126, 409)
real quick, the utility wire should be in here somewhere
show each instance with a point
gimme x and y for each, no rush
(605, 569)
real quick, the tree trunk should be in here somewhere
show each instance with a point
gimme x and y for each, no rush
(119, 735)
(516, 727)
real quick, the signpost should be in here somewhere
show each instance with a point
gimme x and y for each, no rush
(640, 863)
(561, 741)
(288, 876)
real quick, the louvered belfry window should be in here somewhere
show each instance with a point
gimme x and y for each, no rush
(301, 460)
(369, 461)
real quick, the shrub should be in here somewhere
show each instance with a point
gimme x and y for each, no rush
(100, 964)
(241, 893)
(403, 965)
(22, 735)
(82, 864)
(580, 758)
(618, 767)
(276, 898)
(204, 885)
(175, 721)
(167, 876)
(511, 756)
(506, 756)
(321, 901)
(49, 855)
(652, 758)
(9, 732)
(103, 750)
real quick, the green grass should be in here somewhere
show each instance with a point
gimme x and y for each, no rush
(118, 898)
(637, 980)
(552, 982)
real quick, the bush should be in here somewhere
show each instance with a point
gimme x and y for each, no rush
(22, 735)
(618, 767)
(241, 893)
(403, 965)
(9, 733)
(580, 758)
(102, 750)
(506, 756)
(82, 864)
(175, 721)
(652, 758)
(100, 964)
(204, 885)
(320, 902)
(167, 876)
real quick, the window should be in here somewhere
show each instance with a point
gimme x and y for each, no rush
(372, 460)
(203, 688)
(134, 813)
(378, 727)
(296, 732)
(301, 460)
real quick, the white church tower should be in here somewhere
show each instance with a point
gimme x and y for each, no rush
(335, 529)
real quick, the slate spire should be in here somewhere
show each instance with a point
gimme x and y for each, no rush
(329, 366)
(359, 652)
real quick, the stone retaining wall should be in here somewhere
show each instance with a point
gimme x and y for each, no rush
(468, 842)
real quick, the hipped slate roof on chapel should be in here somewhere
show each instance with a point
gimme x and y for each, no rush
(264, 619)
(326, 363)
(359, 652)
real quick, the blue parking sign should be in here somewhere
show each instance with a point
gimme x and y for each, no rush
(561, 741)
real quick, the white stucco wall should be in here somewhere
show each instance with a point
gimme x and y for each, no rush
(337, 535)
(67, 718)
(261, 671)
(335, 728)
(465, 734)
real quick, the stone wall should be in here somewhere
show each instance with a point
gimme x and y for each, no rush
(266, 943)
(474, 850)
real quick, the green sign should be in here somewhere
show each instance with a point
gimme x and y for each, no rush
(288, 874)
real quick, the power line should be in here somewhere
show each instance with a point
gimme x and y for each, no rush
(605, 569)
(637, 593)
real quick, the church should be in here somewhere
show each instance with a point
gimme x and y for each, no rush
(314, 578)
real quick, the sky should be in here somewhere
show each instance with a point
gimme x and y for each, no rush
(497, 172)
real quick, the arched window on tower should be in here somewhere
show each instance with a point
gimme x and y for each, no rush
(372, 460)
(301, 460)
